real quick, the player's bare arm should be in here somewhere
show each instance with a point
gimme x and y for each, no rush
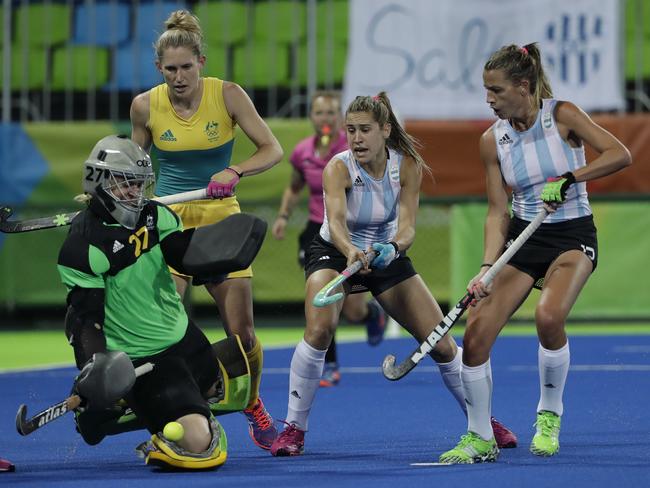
(336, 179)
(140, 133)
(576, 126)
(498, 215)
(411, 178)
(243, 112)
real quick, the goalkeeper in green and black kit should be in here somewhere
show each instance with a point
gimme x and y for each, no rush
(121, 297)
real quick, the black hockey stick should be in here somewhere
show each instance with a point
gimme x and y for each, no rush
(393, 372)
(59, 220)
(26, 426)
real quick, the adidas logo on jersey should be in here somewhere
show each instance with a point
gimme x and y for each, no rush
(505, 140)
(358, 181)
(117, 245)
(323, 258)
(168, 136)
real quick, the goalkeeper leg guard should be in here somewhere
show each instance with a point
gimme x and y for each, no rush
(166, 454)
(233, 391)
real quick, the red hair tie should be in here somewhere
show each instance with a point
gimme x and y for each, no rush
(375, 98)
(524, 50)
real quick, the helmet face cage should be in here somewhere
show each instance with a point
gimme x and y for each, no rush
(130, 190)
(120, 175)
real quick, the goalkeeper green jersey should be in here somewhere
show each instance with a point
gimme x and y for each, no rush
(143, 313)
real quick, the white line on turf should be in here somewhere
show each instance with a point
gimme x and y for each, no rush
(432, 464)
(517, 369)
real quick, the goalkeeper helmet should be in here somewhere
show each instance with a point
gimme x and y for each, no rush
(120, 175)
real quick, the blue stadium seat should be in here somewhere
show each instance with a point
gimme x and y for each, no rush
(133, 68)
(149, 18)
(102, 23)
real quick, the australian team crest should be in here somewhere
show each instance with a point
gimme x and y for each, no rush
(212, 130)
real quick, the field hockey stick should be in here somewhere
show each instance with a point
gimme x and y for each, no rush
(63, 219)
(393, 372)
(26, 426)
(323, 297)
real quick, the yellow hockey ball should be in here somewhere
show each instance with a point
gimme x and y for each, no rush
(174, 431)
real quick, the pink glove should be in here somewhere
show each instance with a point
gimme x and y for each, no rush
(217, 189)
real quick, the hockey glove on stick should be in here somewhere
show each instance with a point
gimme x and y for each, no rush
(555, 189)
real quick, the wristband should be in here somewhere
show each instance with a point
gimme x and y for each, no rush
(569, 177)
(235, 171)
(394, 244)
(486, 265)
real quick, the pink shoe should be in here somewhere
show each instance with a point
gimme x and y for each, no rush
(6, 465)
(291, 442)
(505, 437)
(261, 426)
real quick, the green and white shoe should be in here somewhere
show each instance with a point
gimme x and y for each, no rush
(471, 449)
(546, 441)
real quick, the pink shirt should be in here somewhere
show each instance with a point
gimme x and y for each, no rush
(310, 165)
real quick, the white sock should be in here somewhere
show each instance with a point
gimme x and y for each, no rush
(304, 378)
(553, 370)
(451, 377)
(477, 384)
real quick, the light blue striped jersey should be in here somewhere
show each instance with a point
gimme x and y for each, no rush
(372, 205)
(528, 158)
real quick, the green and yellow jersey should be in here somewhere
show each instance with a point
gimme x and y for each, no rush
(189, 151)
(143, 313)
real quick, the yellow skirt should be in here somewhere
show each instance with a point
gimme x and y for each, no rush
(199, 213)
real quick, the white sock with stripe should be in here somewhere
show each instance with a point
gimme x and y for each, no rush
(477, 384)
(304, 378)
(553, 371)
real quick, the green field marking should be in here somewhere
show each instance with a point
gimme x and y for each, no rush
(32, 349)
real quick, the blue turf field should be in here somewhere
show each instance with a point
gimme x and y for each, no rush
(369, 432)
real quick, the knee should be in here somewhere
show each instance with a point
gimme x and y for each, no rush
(355, 314)
(549, 320)
(319, 336)
(445, 350)
(476, 346)
(197, 435)
(472, 344)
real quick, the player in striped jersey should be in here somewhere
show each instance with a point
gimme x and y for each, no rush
(371, 196)
(535, 150)
(308, 160)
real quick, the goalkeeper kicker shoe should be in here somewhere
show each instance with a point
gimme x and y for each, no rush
(261, 426)
(471, 449)
(291, 442)
(505, 437)
(546, 441)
